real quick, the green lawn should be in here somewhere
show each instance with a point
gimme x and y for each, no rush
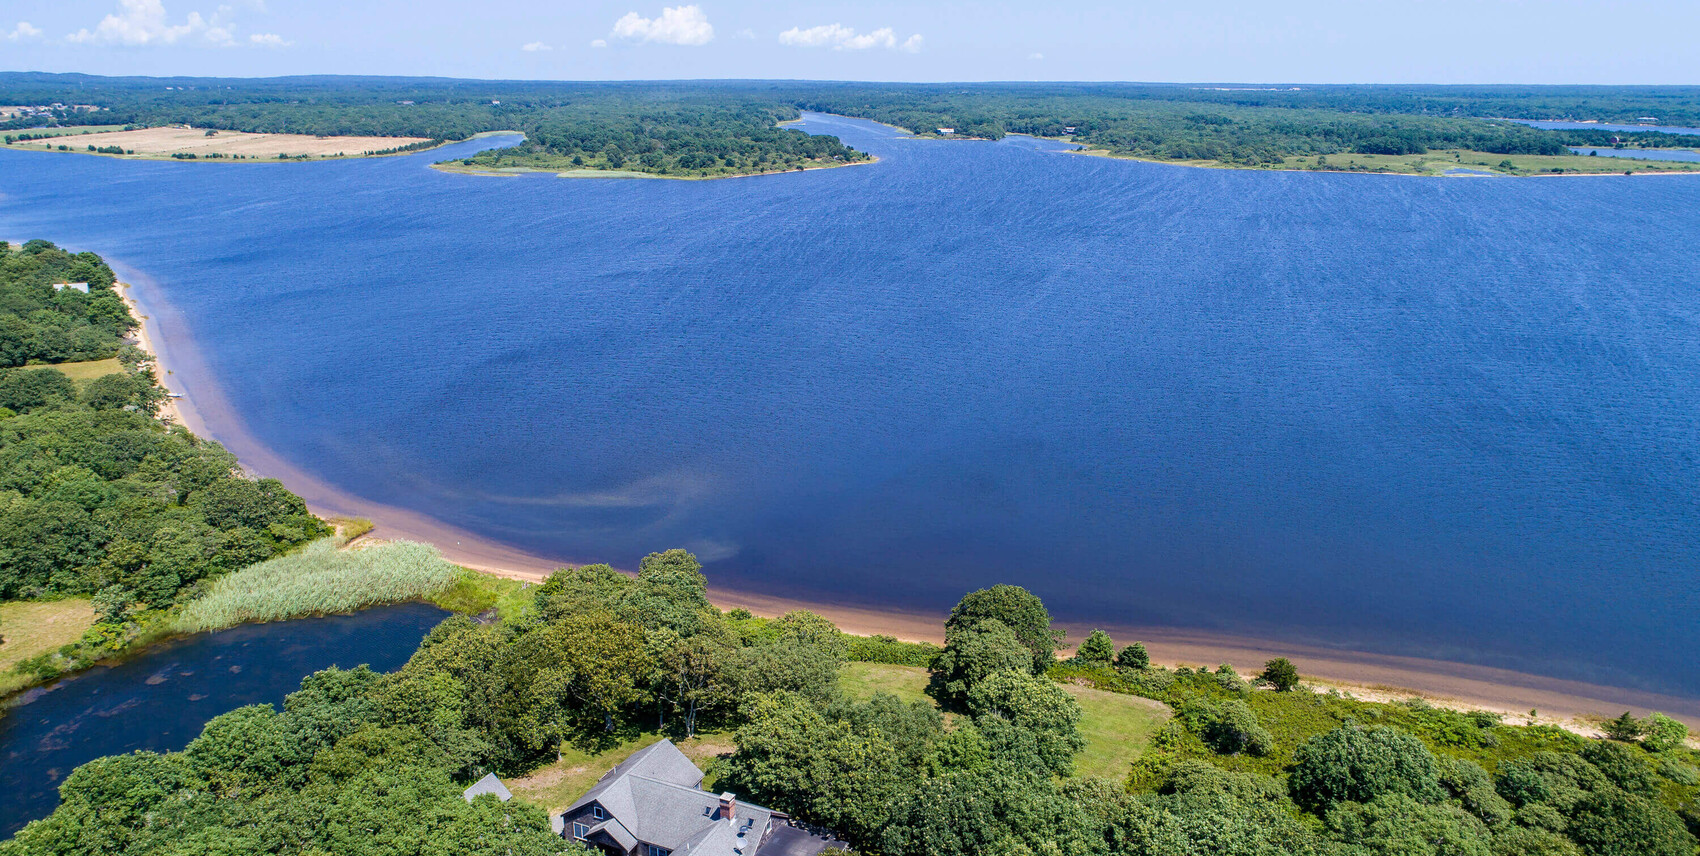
(861, 680)
(84, 372)
(30, 628)
(1117, 727)
(74, 131)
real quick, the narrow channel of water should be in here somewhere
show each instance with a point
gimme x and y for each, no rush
(160, 699)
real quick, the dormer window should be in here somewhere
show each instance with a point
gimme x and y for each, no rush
(657, 851)
(597, 812)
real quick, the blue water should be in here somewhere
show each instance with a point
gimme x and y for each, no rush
(160, 699)
(1423, 416)
(1640, 154)
(1596, 126)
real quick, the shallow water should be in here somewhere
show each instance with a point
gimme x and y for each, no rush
(160, 699)
(1410, 415)
(1639, 154)
(1596, 126)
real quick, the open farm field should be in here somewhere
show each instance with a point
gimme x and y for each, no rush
(174, 141)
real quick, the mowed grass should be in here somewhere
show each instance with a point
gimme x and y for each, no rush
(82, 373)
(861, 680)
(31, 628)
(1117, 727)
(74, 131)
(555, 786)
(320, 580)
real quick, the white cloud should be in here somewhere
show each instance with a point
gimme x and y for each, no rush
(598, 43)
(677, 25)
(1035, 56)
(745, 33)
(145, 22)
(842, 38)
(536, 46)
(25, 31)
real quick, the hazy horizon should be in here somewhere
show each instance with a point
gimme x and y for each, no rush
(1332, 42)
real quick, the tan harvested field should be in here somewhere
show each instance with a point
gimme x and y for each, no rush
(164, 142)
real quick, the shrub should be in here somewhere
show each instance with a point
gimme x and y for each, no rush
(890, 649)
(1358, 764)
(1626, 728)
(1279, 673)
(1134, 657)
(1664, 733)
(1096, 649)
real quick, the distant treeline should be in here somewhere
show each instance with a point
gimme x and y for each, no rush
(727, 127)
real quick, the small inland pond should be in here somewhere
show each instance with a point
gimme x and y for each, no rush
(160, 699)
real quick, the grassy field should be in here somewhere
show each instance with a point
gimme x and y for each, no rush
(319, 580)
(76, 131)
(84, 372)
(166, 142)
(32, 628)
(1438, 162)
(554, 787)
(1117, 727)
(861, 680)
(475, 592)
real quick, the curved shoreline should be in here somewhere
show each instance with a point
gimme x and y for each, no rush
(1371, 675)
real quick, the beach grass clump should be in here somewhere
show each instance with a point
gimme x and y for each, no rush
(320, 580)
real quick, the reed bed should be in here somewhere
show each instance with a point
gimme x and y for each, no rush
(319, 580)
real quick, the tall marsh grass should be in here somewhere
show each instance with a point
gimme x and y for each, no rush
(318, 580)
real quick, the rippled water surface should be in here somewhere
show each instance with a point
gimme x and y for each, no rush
(1419, 415)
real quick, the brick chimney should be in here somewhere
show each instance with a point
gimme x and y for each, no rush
(728, 805)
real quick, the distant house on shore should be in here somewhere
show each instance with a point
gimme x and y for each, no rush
(946, 131)
(488, 785)
(653, 804)
(74, 286)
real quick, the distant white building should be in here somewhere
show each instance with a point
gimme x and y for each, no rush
(945, 130)
(74, 286)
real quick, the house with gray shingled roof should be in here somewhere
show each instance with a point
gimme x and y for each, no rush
(653, 804)
(488, 785)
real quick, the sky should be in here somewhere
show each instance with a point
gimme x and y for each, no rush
(1322, 41)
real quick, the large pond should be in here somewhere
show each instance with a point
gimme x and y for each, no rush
(160, 699)
(1433, 416)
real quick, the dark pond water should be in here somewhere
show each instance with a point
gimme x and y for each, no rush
(1412, 415)
(160, 699)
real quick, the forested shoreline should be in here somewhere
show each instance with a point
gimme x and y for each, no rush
(985, 764)
(99, 497)
(715, 128)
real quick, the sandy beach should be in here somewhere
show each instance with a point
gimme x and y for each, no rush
(1364, 674)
